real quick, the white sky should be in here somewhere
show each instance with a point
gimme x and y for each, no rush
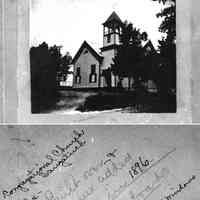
(70, 22)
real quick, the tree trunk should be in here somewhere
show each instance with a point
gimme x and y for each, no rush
(129, 83)
(119, 85)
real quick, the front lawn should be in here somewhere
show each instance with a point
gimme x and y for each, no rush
(101, 100)
(129, 101)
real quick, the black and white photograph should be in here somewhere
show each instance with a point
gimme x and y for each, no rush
(98, 56)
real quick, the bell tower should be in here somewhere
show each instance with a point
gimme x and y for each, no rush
(112, 29)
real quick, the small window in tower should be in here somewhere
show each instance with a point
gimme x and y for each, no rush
(106, 30)
(120, 39)
(108, 38)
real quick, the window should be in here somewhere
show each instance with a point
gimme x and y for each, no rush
(85, 52)
(148, 49)
(108, 38)
(78, 72)
(93, 78)
(115, 52)
(78, 79)
(93, 75)
(120, 39)
(93, 69)
(78, 75)
(106, 30)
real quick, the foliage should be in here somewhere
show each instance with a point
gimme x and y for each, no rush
(107, 74)
(167, 46)
(130, 59)
(61, 62)
(45, 62)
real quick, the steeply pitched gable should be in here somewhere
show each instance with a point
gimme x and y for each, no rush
(90, 49)
(149, 44)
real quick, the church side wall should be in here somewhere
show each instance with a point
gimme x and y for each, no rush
(108, 60)
(84, 62)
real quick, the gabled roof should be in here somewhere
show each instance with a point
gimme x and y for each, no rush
(90, 49)
(145, 43)
(148, 43)
(113, 17)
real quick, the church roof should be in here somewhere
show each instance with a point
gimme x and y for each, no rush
(147, 43)
(98, 56)
(113, 17)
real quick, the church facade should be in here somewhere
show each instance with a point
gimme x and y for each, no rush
(90, 65)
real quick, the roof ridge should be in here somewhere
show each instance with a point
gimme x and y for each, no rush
(90, 48)
(112, 17)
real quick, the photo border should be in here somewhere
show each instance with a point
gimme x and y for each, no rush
(18, 101)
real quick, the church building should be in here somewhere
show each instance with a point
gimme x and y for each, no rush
(90, 65)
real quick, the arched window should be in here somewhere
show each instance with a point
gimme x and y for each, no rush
(78, 75)
(93, 74)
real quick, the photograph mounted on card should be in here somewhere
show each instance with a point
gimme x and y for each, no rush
(136, 163)
(105, 62)
(129, 66)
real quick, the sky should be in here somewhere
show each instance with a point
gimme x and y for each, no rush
(69, 22)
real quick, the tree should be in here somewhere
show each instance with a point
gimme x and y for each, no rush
(63, 68)
(167, 46)
(60, 62)
(129, 54)
(107, 74)
(45, 62)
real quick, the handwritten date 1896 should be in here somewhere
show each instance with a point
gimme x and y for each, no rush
(138, 167)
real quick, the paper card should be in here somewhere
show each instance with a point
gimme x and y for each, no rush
(15, 40)
(99, 162)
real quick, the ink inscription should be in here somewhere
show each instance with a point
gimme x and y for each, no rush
(58, 157)
(179, 189)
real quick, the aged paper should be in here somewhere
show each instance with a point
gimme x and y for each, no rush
(99, 162)
(195, 30)
(8, 61)
(1, 63)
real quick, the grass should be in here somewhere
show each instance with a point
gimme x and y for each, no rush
(132, 102)
(128, 101)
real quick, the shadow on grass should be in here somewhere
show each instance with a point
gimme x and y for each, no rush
(101, 100)
(43, 103)
(130, 102)
(61, 101)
